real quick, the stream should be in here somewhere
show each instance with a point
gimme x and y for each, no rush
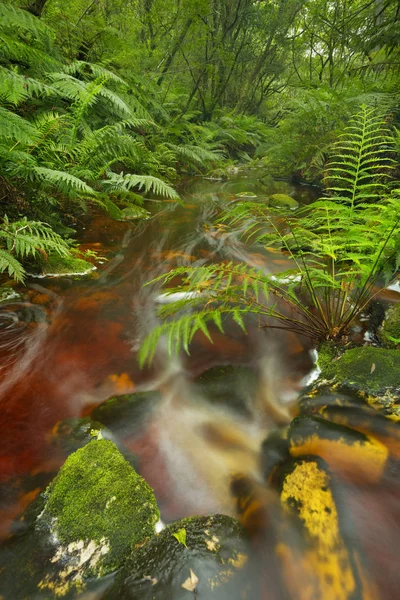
(71, 343)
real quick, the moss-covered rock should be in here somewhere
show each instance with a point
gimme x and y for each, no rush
(369, 369)
(283, 201)
(100, 506)
(83, 526)
(63, 266)
(213, 548)
(8, 294)
(389, 333)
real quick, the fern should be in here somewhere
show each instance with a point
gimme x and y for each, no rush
(22, 239)
(146, 183)
(338, 247)
(15, 128)
(356, 174)
(65, 182)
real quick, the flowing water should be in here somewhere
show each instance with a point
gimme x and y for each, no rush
(71, 343)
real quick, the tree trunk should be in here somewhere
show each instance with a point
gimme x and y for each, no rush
(36, 7)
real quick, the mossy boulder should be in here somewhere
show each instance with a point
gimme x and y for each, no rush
(283, 201)
(369, 369)
(100, 507)
(85, 525)
(389, 333)
(66, 265)
(213, 549)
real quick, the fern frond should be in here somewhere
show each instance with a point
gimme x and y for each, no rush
(9, 263)
(146, 183)
(14, 127)
(63, 181)
(15, 88)
(15, 51)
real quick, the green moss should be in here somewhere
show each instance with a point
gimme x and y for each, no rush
(283, 201)
(70, 265)
(390, 330)
(98, 496)
(370, 369)
(327, 354)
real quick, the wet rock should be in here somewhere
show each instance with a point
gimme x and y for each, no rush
(230, 385)
(126, 414)
(368, 369)
(71, 434)
(283, 201)
(389, 333)
(200, 557)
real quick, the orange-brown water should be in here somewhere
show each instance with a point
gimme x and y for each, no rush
(72, 343)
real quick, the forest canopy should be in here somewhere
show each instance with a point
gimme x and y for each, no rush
(102, 100)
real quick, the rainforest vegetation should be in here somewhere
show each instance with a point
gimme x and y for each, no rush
(105, 102)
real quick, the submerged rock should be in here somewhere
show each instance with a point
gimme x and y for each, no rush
(283, 201)
(199, 556)
(389, 333)
(126, 414)
(71, 434)
(230, 385)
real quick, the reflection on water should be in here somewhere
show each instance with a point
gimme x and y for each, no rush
(72, 344)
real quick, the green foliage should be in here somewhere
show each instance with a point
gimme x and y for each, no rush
(22, 239)
(337, 248)
(180, 535)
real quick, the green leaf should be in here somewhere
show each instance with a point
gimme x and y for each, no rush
(180, 535)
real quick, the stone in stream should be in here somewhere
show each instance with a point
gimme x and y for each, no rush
(374, 371)
(231, 385)
(126, 414)
(200, 557)
(283, 201)
(65, 266)
(84, 525)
